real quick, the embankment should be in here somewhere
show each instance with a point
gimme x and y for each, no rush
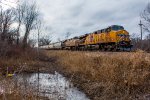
(106, 75)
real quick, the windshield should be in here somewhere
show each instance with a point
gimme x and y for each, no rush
(116, 28)
(123, 35)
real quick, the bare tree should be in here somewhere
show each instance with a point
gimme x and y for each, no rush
(146, 18)
(68, 34)
(19, 18)
(148, 37)
(1, 20)
(39, 28)
(145, 44)
(46, 40)
(29, 17)
(32, 42)
(7, 34)
(59, 40)
(7, 19)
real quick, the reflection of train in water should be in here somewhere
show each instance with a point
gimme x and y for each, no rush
(112, 38)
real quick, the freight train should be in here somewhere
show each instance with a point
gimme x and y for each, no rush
(112, 38)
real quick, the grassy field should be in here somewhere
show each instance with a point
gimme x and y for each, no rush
(101, 75)
(107, 75)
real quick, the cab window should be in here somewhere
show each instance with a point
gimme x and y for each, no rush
(123, 35)
(108, 29)
(116, 28)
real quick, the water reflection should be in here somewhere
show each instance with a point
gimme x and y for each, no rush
(53, 86)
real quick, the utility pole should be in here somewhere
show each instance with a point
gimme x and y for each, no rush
(38, 68)
(1, 17)
(141, 27)
(38, 44)
(18, 30)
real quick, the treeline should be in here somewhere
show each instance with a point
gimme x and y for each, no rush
(16, 25)
(26, 17)
(143, 44)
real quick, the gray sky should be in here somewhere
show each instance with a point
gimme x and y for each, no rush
(84, 16)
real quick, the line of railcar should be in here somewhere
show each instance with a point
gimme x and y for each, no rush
(112, 38)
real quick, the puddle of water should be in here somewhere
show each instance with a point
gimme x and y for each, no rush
(53, 86)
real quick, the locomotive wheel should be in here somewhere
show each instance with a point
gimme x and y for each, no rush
(104, 49)
(114, 49)
(100, 48)
(110, 49)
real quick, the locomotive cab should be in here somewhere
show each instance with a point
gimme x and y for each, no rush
(116, 28)
(122, 38)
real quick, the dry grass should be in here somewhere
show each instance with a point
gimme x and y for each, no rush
(18, 60)
(104, 76)
(13, 93)
(13, 90)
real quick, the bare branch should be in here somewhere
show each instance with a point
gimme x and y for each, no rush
(30, 15)
(46, 40)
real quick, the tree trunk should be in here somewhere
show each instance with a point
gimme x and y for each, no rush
(25, 39)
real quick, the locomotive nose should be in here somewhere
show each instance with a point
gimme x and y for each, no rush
(123, 35)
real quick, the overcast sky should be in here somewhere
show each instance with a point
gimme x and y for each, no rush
(84, 16)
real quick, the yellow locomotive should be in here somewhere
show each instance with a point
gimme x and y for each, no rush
(111, 38)
(114, 37)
